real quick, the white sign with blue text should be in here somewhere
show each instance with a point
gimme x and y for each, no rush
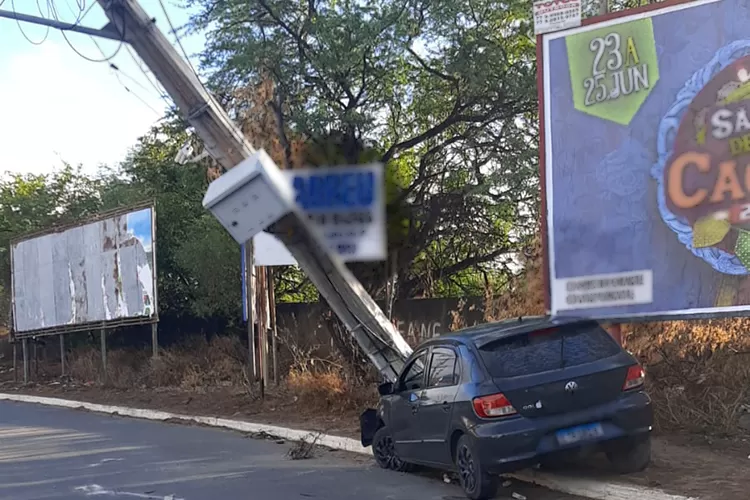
(345, 203)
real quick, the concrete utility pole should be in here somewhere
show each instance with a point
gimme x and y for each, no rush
(225, 143)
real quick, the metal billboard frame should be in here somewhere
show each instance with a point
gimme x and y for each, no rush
(540, 57)
(91, 325)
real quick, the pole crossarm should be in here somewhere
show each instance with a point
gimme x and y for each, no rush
(107, 32)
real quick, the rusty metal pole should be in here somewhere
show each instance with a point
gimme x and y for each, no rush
(250, 304)
(272, 315)
(263, 327)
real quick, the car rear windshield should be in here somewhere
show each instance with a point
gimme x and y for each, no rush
(544, 350)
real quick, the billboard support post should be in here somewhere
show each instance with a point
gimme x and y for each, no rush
(154, 340)
(62, 354)
(36, 357)
(25, 348)
(103, 338)
(15, 361)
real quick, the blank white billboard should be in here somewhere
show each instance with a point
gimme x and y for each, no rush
(99, 272)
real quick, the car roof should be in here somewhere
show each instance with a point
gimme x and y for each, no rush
(483, 334)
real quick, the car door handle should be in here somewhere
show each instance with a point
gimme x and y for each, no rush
(414, 409)
(446, 406)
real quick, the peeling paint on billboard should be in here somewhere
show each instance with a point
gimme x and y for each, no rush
(98, 272)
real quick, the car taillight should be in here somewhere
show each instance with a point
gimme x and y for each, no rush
(496, 405)
(635, 378)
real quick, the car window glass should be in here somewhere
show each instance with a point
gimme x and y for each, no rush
(553, 349)
(442, 368)
(413, 378)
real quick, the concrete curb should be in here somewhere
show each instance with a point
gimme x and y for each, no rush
(598, 490)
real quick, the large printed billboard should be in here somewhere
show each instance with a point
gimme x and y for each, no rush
(646, 154)
(101, 272)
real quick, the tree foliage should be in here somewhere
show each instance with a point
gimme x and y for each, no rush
(443, 90)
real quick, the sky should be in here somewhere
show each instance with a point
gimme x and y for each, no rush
(58, 107)
(139, 225)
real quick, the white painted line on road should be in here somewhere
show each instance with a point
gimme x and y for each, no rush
(94, 490)
(598, 490)
(106, 461)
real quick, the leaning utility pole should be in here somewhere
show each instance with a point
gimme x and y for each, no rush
(360, 314)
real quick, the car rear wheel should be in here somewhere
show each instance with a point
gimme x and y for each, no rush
(475, 481)
(385, 452)
(631, 454)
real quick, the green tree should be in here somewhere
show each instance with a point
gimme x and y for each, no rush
(444, 90)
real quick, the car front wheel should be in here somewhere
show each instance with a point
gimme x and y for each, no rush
(385, 452)
(631, 454)
(475, 481)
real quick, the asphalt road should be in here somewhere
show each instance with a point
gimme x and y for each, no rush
(66, 454)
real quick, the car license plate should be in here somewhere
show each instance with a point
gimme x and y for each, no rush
(579, 433)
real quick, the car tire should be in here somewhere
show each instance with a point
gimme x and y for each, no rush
(385, 452)
(475, 481)
(631, 454)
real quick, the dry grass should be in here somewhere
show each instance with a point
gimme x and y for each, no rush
(330, 391)
(194, 364)
(699, 371)
(318, 385)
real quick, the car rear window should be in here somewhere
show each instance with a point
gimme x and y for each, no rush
(546, 350)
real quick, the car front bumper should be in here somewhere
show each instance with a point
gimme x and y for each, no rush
(517, 442)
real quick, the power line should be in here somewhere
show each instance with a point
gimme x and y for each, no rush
(159, 90)
(117, 72)
(177, 39)
(105, 58)
(20, 28)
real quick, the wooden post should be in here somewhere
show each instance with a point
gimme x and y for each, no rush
(36, 358)
(154, 340)
(103, 338)
(25, 348)
(15, 360)
(263, 327)
(251, 316)
(62, 354)
(272, 315)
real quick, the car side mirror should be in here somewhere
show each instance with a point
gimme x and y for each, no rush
(385, 388)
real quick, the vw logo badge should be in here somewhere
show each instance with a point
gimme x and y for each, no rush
(571, 386)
